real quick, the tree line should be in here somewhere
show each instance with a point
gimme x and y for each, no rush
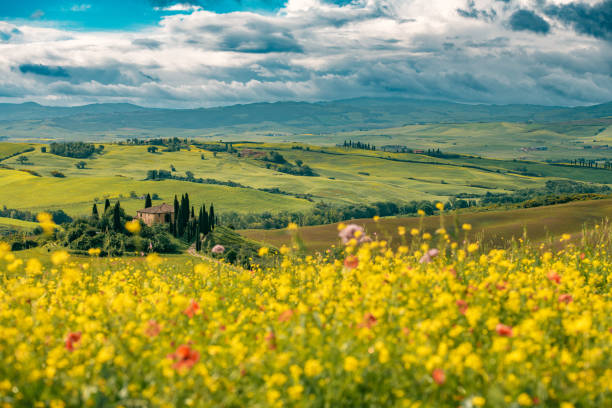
(358, 145)
(191, 227)
(79, 150)
(189, 176)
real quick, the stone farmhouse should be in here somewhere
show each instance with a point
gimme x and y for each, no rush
(160, 214)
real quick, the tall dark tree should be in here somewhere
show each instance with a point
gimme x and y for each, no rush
(148, 202)
(211, 218)
(94, 212)
(106, 205)
(176, 214)
(203, 220)
(117, 217)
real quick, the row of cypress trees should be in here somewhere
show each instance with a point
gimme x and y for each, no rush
(117, 225)
(187, 225)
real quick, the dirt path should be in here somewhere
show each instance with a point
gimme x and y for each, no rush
(192, 251)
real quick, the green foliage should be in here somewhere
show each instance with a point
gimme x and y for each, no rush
(238, 249)
(77, 150)
(107, 232)
(58, 216)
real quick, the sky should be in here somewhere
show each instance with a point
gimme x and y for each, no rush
(202, 53)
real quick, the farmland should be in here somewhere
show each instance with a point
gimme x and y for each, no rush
(345, 176)
(491, 228)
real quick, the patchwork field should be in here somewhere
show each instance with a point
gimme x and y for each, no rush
(492, 228)
(346, 176)
(579, 138)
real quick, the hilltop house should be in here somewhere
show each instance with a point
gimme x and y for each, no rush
(160, 214)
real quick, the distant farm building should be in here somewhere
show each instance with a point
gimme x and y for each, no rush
(160, 214)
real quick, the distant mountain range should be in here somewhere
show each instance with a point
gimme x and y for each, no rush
(323, 117)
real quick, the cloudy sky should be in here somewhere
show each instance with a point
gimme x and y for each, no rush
(218, 52)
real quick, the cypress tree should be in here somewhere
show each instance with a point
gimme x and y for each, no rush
(117, 217)
(192, 213)
(204, 226)
(198, 240)
(94, 212)
(176, 214)
(211, 218)
(148, 202)
(106, 205)
(180, 225)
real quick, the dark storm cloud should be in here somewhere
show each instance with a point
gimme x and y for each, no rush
(44, 70)
(527, 20)
(147, 43)
(471, 11)
(106, 75)
(595, 20)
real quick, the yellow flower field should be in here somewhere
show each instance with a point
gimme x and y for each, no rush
(411, 327)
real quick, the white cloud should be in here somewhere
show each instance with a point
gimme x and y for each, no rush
(80, 7)
(310, 50)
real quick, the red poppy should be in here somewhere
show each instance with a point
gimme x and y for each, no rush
(153, 328)
(184, 357)
(501, 285)
(192, 309)
(503, 330)
(463, 306)
(554, 277)
(351, 262)
(438, 376)
(72, 339)
(285, 316)
(566, 298)
(368, 321)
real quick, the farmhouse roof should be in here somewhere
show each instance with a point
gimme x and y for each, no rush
(158, 209)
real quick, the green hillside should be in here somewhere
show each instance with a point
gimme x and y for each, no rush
(346, 176)
(504, 131)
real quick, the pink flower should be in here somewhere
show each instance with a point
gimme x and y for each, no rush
(218, 249)
(153, 328)
(353, 231)
(430, 255)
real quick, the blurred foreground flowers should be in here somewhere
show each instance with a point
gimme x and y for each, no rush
(429, 327)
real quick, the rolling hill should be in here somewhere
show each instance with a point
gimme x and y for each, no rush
(492, 228)
(320, 117)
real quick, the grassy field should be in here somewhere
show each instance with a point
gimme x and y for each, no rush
(9, 149)
(10, 224)
(492, 228)
(494, 139)
(346, 176)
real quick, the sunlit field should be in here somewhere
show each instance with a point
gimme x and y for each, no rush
(436, 322)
